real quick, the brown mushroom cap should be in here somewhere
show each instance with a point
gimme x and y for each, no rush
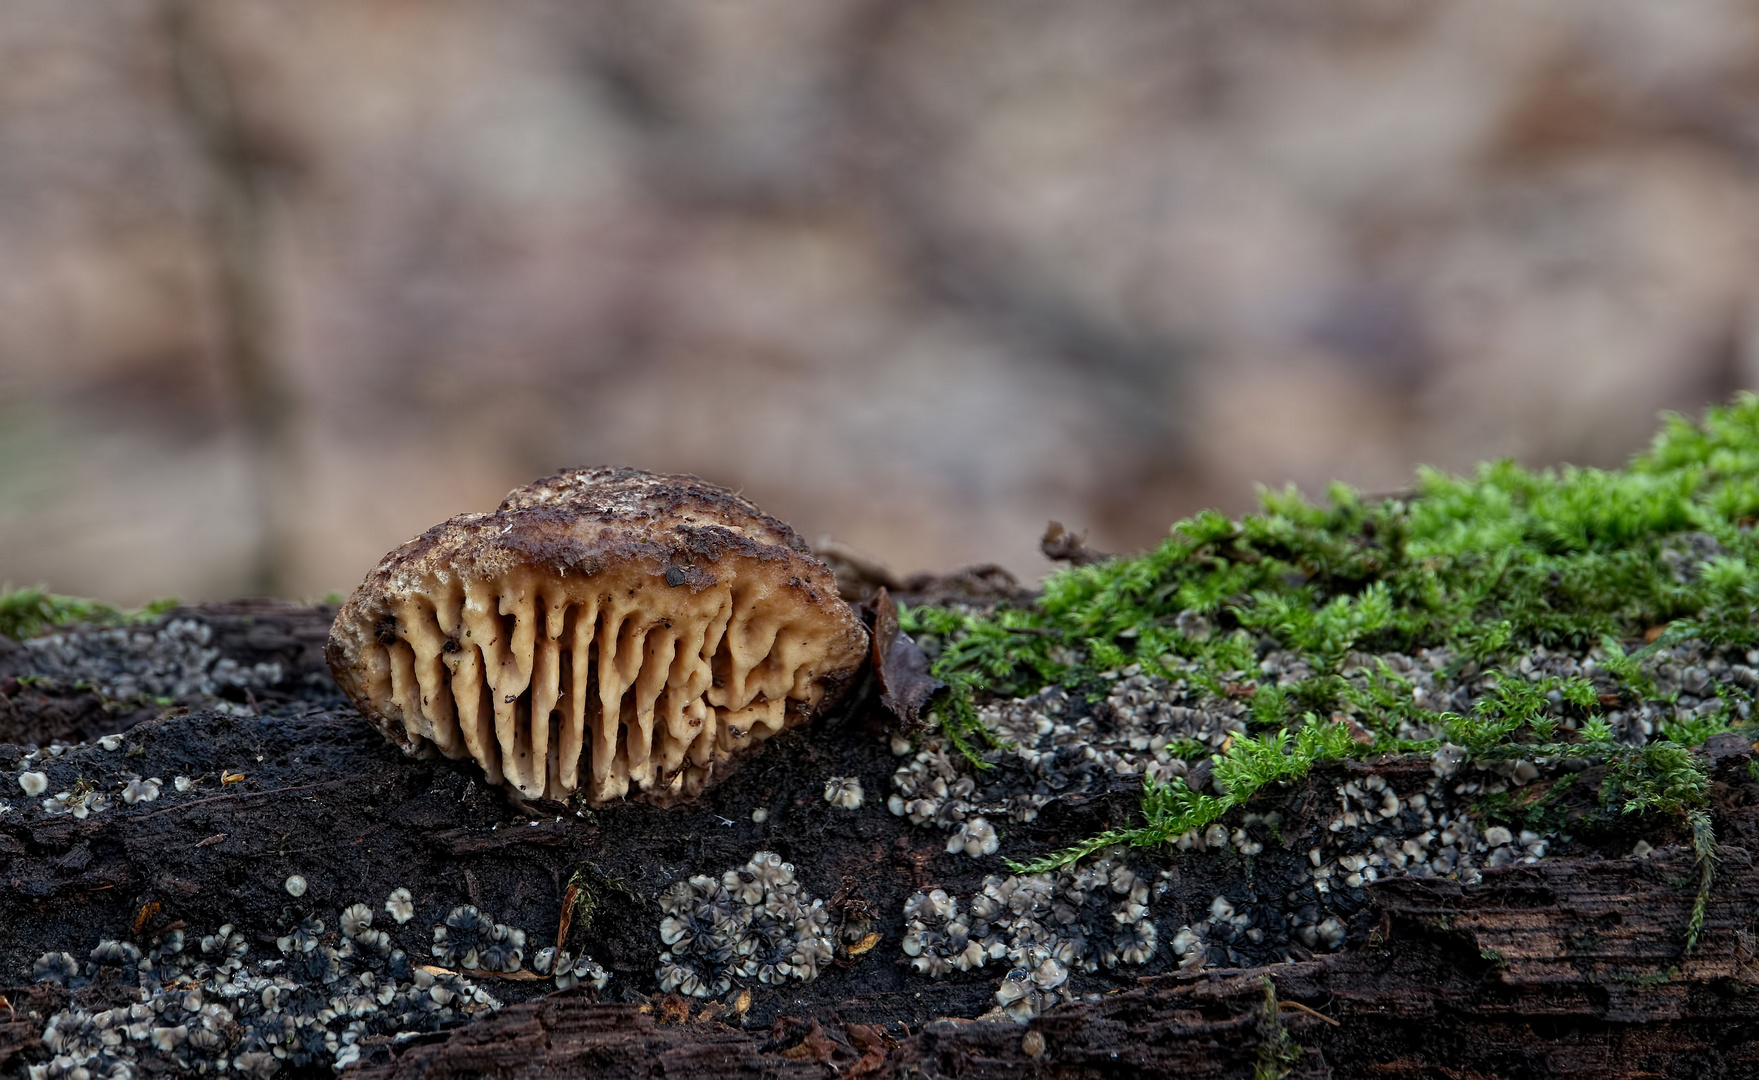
(604, 629)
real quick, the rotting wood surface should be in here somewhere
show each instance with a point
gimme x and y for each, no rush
(1567, 967)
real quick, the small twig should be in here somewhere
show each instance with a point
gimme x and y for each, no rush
(567, 916)
(478, 973)
(1061, 545)
(240, 795)
(1297, 1006)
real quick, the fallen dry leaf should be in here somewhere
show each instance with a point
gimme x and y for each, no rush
(873, 1042)
(147, 911)
(900, 664)
(567, 915)
(674, 1009)
(815, 1046)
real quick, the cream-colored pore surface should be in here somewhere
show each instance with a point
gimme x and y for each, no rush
(557, 685)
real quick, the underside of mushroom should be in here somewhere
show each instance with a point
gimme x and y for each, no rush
(606, 632)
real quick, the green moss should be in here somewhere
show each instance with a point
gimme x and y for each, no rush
(957, 718)
(1277, 1053)
(1249, 765)
(1488, 565)
(27, 612)
(588, 890)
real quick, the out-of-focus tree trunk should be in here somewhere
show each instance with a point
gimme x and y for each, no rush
(235, 206)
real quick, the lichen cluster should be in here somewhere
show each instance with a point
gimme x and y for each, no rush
(1041, 926)
(754, 923)
(1140, 729)
(203, 1006)
(82, 797)
(173, 660)
(190, 1005)
(87, 784)
(471, 940)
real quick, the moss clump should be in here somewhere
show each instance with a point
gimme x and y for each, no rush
(1488, 566)
(30, 611)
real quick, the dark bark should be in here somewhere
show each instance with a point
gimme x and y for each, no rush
(1573, 966)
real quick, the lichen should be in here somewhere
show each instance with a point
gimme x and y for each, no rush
(214, 1008)
(175, 660)
(752, 923)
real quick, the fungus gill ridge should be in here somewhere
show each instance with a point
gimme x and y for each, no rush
(603, 631)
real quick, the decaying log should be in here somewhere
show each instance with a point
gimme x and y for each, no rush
(1573, 966)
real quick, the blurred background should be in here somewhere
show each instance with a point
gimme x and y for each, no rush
(283, 284)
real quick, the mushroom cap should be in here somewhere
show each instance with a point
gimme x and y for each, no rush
(606, 632)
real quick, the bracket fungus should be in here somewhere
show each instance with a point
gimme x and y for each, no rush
(605, 632)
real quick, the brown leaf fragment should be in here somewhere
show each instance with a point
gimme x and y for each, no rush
(673, 1010)
(1061, 545)
(900, 664)
(815, 1046)
(1358, 733)
(873, 1042)
(867, 1036)
(147, 911)
(567, 916)
(866, 943)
